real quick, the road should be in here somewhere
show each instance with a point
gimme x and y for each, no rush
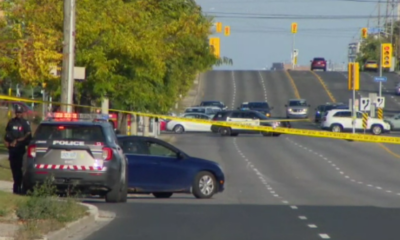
(289, 187)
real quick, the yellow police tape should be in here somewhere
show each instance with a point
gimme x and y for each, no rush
(243, 125)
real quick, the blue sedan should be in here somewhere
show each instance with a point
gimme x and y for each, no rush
(156, 167)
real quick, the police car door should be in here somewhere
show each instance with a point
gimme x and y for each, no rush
(251, 119)
(242, 118)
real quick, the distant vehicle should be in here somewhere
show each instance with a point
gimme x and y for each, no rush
(297, 108)
(156, 167)
(371, 65)
(213, 104)
(30, 113)
(248, 117)
(262, 107)
(205, 110)
(182, 126)
(340, 120)
(321, 109)
(318, 63)
(394, 122)
(277, 67)
(397, 91)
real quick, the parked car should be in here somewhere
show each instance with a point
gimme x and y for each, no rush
(371, 65)
(182, 126)
(157, 167)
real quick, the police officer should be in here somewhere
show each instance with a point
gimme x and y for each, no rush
(18, 135)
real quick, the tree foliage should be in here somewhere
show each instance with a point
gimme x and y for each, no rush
(369, 49)
(142, 54)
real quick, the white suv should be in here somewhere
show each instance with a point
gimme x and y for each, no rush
(340, 120)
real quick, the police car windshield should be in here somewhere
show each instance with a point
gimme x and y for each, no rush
(211, 104)
(69, 132)
(261, 116)
(263, 105)
(244, 105)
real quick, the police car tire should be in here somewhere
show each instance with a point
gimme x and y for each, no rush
(276, 134)
(267, 134)
(225, 131)
(114, 195)
(234, 134)
(124, 192)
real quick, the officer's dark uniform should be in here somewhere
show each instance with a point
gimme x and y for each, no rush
(18, 131)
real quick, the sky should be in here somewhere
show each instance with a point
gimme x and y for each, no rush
(255, 43)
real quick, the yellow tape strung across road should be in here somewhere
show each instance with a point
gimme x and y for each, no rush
(241, 125)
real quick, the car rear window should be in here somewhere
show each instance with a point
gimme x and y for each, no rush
(220, 115)
(319, 59)
(297, 103)
(258, 105)
(195, 110)
(69, 132)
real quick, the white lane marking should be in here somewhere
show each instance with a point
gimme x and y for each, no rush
(262, 179)
(338, 169)
(234, 90)
(324, 236)
(263, 86)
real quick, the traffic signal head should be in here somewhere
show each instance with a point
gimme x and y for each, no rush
(386, 52)
(227, 31)
(294, 27)
(364, 32)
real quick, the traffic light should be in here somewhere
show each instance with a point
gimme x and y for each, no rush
(227, 31)
(364, 32)
(294, 28)
(354, 76)
(215, 46)
(219, 27)
(386, 54)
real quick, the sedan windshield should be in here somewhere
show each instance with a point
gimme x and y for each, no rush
(261, 116)
(298, 103)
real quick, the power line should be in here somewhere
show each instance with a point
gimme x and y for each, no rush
(286, 16)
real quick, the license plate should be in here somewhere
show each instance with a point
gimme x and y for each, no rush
(68, 155)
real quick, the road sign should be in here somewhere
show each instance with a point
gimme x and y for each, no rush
(365, 104)
(380, 113)
(354, 76)
(295, 52)
(380, 102)
(380, 79)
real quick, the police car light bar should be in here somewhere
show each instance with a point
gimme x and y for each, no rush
(77, 116)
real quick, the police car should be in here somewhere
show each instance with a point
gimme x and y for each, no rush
(248, 117)
(77, 152)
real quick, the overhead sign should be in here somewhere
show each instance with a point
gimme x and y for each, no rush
(380, 79)
(365, 104)
(380, 102)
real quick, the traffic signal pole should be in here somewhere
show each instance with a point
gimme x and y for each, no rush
(354, 98)
(380, 71)
(293, 56)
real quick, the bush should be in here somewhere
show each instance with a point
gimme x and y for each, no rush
(44, 204)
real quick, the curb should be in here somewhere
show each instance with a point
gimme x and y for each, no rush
(72, 227)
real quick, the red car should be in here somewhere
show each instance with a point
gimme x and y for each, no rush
(25, 107)
(318, 63)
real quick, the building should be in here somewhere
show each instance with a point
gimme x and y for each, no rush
(353, 50)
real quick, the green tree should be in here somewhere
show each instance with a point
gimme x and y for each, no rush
(142, 54)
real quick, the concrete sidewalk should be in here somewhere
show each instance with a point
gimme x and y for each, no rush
(6, 186)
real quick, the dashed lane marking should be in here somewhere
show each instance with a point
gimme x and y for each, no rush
(324, 236)
(312, 226)
(341, 172)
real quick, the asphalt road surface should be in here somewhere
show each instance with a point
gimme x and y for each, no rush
(283, 188)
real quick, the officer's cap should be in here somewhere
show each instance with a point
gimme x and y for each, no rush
(18, 109)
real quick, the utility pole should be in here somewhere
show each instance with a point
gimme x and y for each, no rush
(379, 18)
(387, 15)
(67, 75)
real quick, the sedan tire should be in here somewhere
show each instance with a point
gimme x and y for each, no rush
(179, 129)
(204, 185)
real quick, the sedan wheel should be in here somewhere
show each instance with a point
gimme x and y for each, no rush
(179, 129)
(204, 185)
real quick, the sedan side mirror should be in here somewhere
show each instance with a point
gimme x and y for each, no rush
(272, 108)
(285, 105)
(309, 105)
(238, 108)
(117, 131)
(179, 155)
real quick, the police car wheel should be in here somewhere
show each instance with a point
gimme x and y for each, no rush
(225, 131)
(376, 129)
(114, 195)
